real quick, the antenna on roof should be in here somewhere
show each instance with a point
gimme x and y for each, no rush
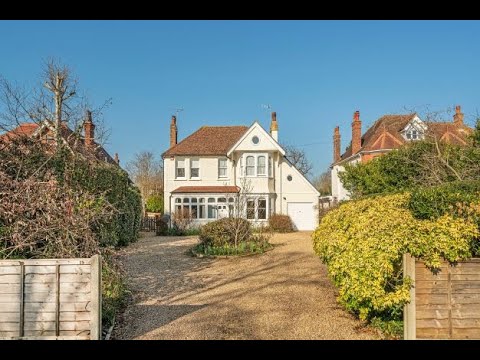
(266, 107)
(177, 111)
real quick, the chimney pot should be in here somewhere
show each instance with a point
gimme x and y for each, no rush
(336, 145)
(117, 160)
(173, 131)
(459, 116)
(356, 133)
(89, 129)
(274, 126)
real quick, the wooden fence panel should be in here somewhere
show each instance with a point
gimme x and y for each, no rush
(51, 299)
(444, 305)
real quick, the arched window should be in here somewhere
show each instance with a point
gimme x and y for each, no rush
(261, 165)
(250, 166)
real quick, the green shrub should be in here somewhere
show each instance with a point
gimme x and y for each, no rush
(256, 245)
(433, 202)
(410, 166)
(161, 227)
(281, 223)
(231, 231)
(114, 290)
(362, 243)
(155, 204)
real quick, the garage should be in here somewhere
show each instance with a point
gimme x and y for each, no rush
(302, 214)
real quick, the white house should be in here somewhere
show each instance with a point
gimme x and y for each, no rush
(205, 171)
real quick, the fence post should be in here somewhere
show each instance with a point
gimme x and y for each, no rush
(96, 293)
(409, 316)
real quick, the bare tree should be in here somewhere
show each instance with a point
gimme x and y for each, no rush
(56, 100)
(147, 173)
(238, 211)
(323, 183)
(298, 158)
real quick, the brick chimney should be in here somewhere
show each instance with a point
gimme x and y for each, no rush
(336, 145)
(173, 131)
(89, 129)
(356, 132)
(274, 126)
(117, 159)
(458, 117)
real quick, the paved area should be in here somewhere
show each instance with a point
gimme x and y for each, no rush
(282, 294)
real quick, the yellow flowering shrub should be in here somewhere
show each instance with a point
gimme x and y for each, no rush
(362, 243)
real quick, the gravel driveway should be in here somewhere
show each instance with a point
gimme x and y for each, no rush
(282, 294)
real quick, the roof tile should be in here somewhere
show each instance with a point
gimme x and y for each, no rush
(208, 140)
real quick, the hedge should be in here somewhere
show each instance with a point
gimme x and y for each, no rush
(362, 243)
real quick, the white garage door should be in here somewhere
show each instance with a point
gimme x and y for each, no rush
(302, 214)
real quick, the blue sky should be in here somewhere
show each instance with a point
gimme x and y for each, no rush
(315, 74)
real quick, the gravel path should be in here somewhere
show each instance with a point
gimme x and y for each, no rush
(282, 294)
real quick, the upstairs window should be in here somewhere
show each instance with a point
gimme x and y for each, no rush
(261, 165)
(256, 165)
(194, 168)
(180, 168)
(413, 134)
(250, 166)
(222, 168)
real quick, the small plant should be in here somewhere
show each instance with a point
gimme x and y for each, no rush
(255, 246)
(391, 329)
(281, 223)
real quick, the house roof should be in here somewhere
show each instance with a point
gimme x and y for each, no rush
(385, 133)
(75, 142)
(24, 129)
(208, 140)
(206, 189)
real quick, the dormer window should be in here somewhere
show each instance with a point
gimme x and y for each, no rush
(413, 134)
(414, 130)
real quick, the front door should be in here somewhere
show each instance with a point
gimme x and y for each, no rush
(222, 211)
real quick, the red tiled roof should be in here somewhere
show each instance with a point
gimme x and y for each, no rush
(208, 140)
(206, 189)
(25, 129)
(385, 133)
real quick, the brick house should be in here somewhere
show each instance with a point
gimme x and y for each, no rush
(387, 133)
(84, 143)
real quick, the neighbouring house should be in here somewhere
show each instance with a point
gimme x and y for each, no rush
(387, 133)
(204, 173)
(84, 143)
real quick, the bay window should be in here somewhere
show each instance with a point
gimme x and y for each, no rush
(262, 209)
(261, 165)
(251, 209)
(250, 162)
(256, 165)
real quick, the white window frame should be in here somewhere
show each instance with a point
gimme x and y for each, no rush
(267, 171)
(223, 167)
(265, 164)
(190, 168)
(254, 166)
(184, 169)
